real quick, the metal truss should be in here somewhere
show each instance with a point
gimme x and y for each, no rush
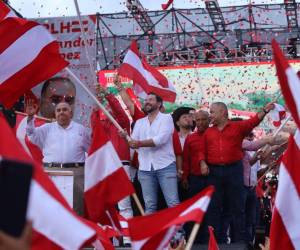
(177, 37)
(291, 13)
(215, 14)
(140, 15)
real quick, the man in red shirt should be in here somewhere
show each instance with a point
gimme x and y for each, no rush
(224, 154)
(184, 125)
(183, 122)
(192, 178)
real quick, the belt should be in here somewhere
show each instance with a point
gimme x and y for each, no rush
(223, 165)
(125, 163)
(63, 165)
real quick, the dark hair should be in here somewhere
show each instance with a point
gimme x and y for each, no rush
(158, 98)
(236, 119)
(55, 79)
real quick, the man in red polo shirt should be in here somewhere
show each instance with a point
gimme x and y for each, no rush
(224, 154)
(192, 178)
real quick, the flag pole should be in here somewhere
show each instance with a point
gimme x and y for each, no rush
(192, 237)
(138, 203)
(108, 115)
(92, 71)
(85, 42)
(275, 134)
(36, 116)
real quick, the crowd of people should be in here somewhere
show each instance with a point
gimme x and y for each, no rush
(180, 154)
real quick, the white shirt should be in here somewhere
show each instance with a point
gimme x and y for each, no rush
(182, 139)
(250, 171)
(160, 131)
(60, 145)
(250, 179)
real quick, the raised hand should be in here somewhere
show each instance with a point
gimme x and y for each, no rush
(31, 108)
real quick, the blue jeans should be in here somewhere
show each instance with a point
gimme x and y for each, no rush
(167, 179)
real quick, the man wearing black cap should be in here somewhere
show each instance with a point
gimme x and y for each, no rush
(184, 125)
(183, 122)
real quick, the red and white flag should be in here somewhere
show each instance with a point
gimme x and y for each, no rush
(154, 231)
(28, 55)
(106, 182)
(55, 224)
(5, 11)
(133, 98)
(212, 243)
(289, 82)
(20, 129)
(112, 232)
(285, 226)
(277, 114)
(145, 78)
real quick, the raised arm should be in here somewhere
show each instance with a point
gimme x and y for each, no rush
(247, 126)
(124, 95)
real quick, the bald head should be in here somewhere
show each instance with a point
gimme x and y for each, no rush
(202, 120)
(63, 114)
(218, 113)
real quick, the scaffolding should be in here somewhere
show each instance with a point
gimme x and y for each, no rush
(202, 35)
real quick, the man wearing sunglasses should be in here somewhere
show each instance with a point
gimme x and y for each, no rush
(64, 144)
(56, 90)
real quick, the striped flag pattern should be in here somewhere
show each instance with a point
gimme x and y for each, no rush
(154, 231)
(285, 226)
(105, 180)
(28, 56)
(57, 226)
(145, 78)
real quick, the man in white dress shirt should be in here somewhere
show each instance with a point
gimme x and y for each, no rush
(152, 137)
(64, 144)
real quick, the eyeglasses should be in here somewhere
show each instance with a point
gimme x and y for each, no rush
(56, 99)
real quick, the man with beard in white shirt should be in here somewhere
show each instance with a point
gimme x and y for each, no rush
(152, 137)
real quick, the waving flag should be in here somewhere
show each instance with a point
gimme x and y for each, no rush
(105, 179)
(154, 231)
(5, 11)
(277, 114)
(212, 243)
(145, 78)
(285, 230)
(54, 222)
(28, 56)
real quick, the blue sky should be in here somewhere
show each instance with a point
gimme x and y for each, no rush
(46, 8)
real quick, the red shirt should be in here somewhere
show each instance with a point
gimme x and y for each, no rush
(121, 117)
(193, 146)
(138, 114)
(176, 143)
(225, 147)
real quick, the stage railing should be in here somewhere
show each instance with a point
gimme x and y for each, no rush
(195, 56)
